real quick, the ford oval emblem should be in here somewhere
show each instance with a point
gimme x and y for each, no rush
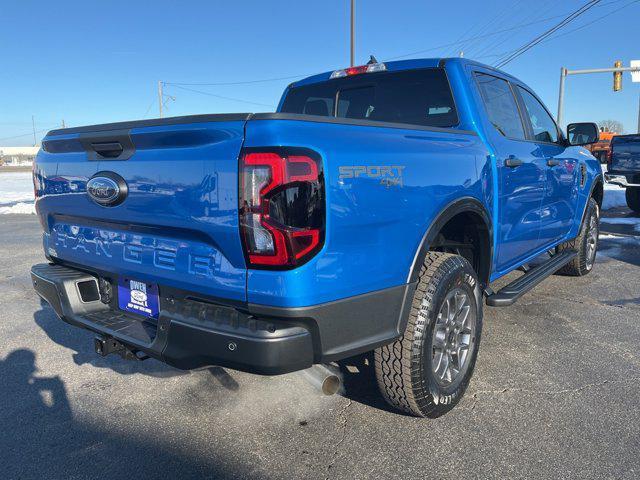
(107, 189)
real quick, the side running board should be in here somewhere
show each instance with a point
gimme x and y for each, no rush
(512, 292)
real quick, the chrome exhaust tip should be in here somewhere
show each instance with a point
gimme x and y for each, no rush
(323, 378)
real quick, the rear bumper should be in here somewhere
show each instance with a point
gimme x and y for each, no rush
(621, 180)
(192, 332)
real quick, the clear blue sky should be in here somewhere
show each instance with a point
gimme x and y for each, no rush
(86, 63)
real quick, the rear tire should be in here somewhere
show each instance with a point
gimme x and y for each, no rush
(633, 198)
(586, 243)
(426, 372)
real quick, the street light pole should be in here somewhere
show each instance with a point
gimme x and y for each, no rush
(353, 32)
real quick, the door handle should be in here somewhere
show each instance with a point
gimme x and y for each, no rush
(513, 162)
(553, 162)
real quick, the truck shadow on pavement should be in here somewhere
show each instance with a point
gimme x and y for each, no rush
(360, 384)
(41, 438)
(81, 342)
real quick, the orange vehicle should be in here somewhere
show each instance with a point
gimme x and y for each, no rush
(601, 149)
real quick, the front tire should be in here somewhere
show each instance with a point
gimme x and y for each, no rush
(633, 198)
(426, 372)
(586, 243)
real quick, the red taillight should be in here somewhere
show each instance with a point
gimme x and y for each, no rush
(282, 210)
(609, 157)
(357, 70)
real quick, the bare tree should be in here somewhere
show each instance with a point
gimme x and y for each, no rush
(613, 126)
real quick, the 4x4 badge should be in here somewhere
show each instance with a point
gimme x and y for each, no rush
(388, 175)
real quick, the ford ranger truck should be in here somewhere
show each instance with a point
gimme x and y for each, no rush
(369, 213)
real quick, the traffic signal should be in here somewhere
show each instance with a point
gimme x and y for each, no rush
(617, 77)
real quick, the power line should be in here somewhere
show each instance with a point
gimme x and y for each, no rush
(409, 54)
(495, 20)
(27, 134)
(540, 10)
(591, 22)
(529, 45)
(149, 108)
(457, 42)
(246, 82)
(487, 35)
(222, 97)
(601, 5)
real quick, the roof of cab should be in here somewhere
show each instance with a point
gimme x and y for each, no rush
(399, 65)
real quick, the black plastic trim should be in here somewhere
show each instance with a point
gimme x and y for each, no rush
(461, 205)
(300, 117)
(94, 142)
(350, 326)
(594, 184)
(154, 122)
(193, 331)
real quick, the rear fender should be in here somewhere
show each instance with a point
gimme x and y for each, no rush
(461, 205)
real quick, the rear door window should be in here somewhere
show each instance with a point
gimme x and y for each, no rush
(419, 97)
(501, 105)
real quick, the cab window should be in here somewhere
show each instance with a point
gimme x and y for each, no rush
(544, 128)
(418, 97)
(501, 106)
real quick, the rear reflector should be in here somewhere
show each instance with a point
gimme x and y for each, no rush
(282, 210)
(369, 68)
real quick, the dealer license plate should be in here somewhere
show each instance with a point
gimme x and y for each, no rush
(138, 297)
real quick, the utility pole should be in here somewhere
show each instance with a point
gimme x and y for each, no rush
(33, 123)
(353, 32)
(63, 124)
(160, 97)
(564, 73)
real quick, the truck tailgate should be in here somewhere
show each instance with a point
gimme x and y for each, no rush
(625, 154)
(177, 226)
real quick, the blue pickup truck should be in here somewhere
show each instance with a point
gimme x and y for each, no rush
(371, 212)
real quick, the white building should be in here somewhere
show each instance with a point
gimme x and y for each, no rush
(17, 156)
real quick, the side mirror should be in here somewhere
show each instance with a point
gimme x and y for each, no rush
(582, 133)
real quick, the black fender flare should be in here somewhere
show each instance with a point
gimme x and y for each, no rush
(597, 180)
(460, 205)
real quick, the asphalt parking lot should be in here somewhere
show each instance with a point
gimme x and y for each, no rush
(555, 395)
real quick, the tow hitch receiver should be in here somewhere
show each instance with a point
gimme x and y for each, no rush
(107, 345)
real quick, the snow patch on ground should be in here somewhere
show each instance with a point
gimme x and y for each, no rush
(16, 193)
(614, 197)
(19, 208)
